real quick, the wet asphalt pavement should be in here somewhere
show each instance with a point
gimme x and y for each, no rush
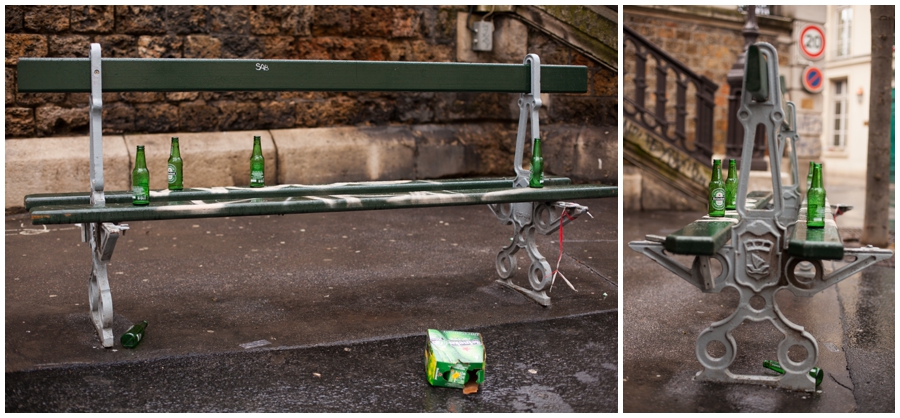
(312, 286)
(852, 322)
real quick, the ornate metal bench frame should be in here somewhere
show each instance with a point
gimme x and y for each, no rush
(756, 262)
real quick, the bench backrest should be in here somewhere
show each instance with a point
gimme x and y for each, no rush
(169, 74)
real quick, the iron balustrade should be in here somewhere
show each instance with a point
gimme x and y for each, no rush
(655, 119)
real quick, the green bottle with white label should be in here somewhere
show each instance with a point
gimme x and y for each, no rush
(717, 191)
(176, 165)
(257, 165)
(140, 179)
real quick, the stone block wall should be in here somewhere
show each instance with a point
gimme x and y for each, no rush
(396, 33)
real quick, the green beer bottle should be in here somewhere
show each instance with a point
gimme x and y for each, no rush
(140, 179)
(815, 372)
(812, 166)
(815, 201)
(176, 174)
(257, 165)
(537, 166)
(731, 186)
(134, 335)
(717, 191)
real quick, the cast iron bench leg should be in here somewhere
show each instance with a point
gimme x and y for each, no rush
(102, 237)
(528, 218)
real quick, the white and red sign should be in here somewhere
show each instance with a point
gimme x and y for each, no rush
(812, 79)
(812, 42)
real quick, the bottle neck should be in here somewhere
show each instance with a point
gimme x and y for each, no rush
(537, 147)
(175, 152)
(732, 169)
(140, 161)
(716, 171)
(257, 146)
(817, 177)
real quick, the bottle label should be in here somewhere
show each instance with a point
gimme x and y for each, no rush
(171, 173)
(718, 199)
(139, 193)
(256, 177)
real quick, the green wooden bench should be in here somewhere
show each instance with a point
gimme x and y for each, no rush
(100, 212)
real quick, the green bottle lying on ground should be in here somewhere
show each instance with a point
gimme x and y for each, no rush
(134, 335)
(717, 191)
(815, 372)
(140, 179)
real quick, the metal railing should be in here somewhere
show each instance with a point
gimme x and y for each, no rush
(660, 117)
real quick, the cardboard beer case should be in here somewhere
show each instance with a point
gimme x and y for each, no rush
(454, 359)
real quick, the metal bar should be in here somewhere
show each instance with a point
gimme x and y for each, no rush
(165, 74)
(677, 65)
(95, 113)
(529, 104)
(288, 190)
(313, 204)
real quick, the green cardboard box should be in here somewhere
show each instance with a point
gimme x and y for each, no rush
(454, 358)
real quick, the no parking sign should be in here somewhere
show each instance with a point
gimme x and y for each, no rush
(812, 79)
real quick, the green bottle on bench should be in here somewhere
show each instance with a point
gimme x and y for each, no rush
(812, 167)
(176, 166)
(815, 201)
(140, 179)
(537, 166)
(731, 186)
(257, 165)
(717, 191)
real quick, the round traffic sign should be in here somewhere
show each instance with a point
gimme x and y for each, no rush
(812, 42)
(813, 80)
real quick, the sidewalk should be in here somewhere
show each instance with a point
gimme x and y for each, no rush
(852, 322)
(310, 285)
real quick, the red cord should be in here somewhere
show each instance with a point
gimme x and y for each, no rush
(566, 214)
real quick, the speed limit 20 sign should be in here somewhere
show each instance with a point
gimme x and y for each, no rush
(812, 42)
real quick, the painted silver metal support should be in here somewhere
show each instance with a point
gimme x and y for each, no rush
(756, 262)
(528, 218)
(791, 194)
(103, 237)
(529, 104)
(699, 274)
(96, 129)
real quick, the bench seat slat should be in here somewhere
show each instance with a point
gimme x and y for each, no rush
(708, 235)
(287, 190)
(169, 74)
(703, 237)
(816, 243)
(124, 212)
